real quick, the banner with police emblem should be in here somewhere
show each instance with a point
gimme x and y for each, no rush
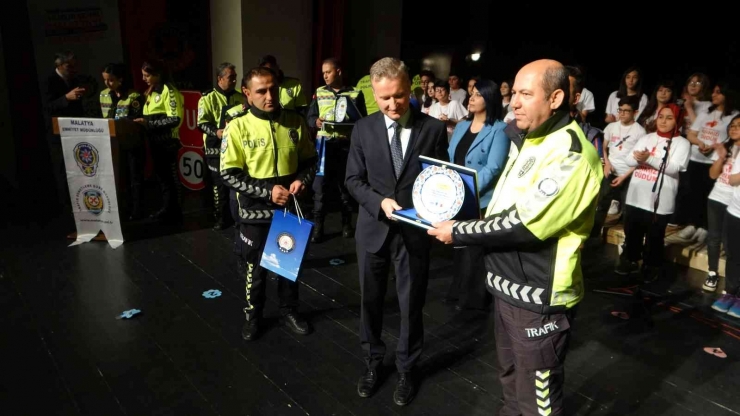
(286, 243)
(91, 179)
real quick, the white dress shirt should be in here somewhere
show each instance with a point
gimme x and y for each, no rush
(405, 130)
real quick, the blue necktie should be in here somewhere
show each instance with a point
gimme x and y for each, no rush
(396, 149)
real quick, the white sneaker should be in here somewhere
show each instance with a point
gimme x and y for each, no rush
(710, 284)
(687, 233)
(613, 208)
(701, 235)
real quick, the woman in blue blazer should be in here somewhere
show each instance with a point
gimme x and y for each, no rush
(479, 142)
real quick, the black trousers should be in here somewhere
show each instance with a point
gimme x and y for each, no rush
(607, 193)
(732, 247)
(250, 241)
(716, 213)
(531, 350)
(412, 273)
(335, 166)
(641, 224)
(221, 209)
(164, 159)
(469, 279)
(694, 187)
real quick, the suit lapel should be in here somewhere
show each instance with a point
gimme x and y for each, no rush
(416, 123)
(485, 131)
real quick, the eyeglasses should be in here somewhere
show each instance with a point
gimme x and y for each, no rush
(624, 110)
(695, 83)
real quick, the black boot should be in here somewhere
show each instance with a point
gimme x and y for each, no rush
(317, 235)
(347, 230)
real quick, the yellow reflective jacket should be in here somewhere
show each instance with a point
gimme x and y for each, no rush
(541, 212)
(260, 150)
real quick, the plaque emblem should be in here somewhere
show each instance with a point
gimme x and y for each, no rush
(438, 193)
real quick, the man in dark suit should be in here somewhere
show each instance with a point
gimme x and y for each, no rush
(62, 98)
(381, 169)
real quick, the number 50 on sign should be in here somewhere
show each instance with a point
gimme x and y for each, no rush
(191, 167)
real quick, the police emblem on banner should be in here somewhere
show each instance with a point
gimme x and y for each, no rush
(93, 201)
(293, 134)
(87, 158)
(285, 242)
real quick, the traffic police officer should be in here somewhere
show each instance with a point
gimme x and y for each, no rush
(212, 108)
(336, 138)
(541, 212)
(163, 115)
(119, 101)
(267, 157)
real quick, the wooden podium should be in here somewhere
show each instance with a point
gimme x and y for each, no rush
(124, 135)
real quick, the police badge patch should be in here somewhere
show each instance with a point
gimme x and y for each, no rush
(224, 143)
(548, 187)
(173, 104)
(135, 104)
(290, 92)
(293, 136)
(201, 111)
(157, 98)
(285, 242)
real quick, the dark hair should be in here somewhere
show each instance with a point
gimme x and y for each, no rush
(652, 105)
(335, 62)
(257, 72)
(730, 143)
(428, 73)
(577, 74)
(442, 84)
(267, 59)
(726, 89)
(630, 101)
(622, 92)
(158, 68)
(556, 78)
(223, 67)
(466, 101)
(491, 94)
(705, 94)
(510, 83)
(61, 58)
(119, 71)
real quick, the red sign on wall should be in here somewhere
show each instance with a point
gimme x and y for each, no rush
(191, 164)
(190, 134)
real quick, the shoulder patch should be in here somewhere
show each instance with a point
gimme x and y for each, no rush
(575, 142)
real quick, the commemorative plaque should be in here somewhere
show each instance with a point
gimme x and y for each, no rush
(441, 192)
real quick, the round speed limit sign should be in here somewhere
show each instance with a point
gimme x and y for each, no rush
(191, 167)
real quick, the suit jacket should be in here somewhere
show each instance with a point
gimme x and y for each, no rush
(487, 155)
(370, 177)
(55, 102)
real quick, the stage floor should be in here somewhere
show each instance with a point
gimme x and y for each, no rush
(64, 352)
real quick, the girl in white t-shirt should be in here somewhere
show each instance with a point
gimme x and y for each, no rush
(729, 301)
(651, 195)
(724, 156)
(709, 128)
(428, 98)
(630, 85)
